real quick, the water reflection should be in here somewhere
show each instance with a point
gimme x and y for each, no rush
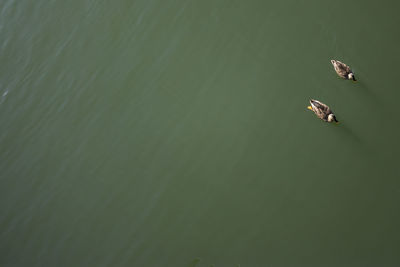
(364, 89)
(349, 133)
(353, 139)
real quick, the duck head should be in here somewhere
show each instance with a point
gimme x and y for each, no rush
(332, 117)
(351, 76)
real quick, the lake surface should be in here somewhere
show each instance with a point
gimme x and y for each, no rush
(176, 133)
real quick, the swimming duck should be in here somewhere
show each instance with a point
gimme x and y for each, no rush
(322, 111)
(343, 70)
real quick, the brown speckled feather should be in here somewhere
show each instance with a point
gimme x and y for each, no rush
(320, 109)
(341, 69)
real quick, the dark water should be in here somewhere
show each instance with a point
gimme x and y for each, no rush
(175, 133)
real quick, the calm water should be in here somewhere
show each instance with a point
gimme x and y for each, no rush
(175, 133)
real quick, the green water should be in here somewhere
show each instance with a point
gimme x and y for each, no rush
(175, 133)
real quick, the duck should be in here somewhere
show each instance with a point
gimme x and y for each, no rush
(322, 111)
(343, 70)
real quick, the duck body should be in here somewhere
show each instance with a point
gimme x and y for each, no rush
(343, 70)
(322, 111)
